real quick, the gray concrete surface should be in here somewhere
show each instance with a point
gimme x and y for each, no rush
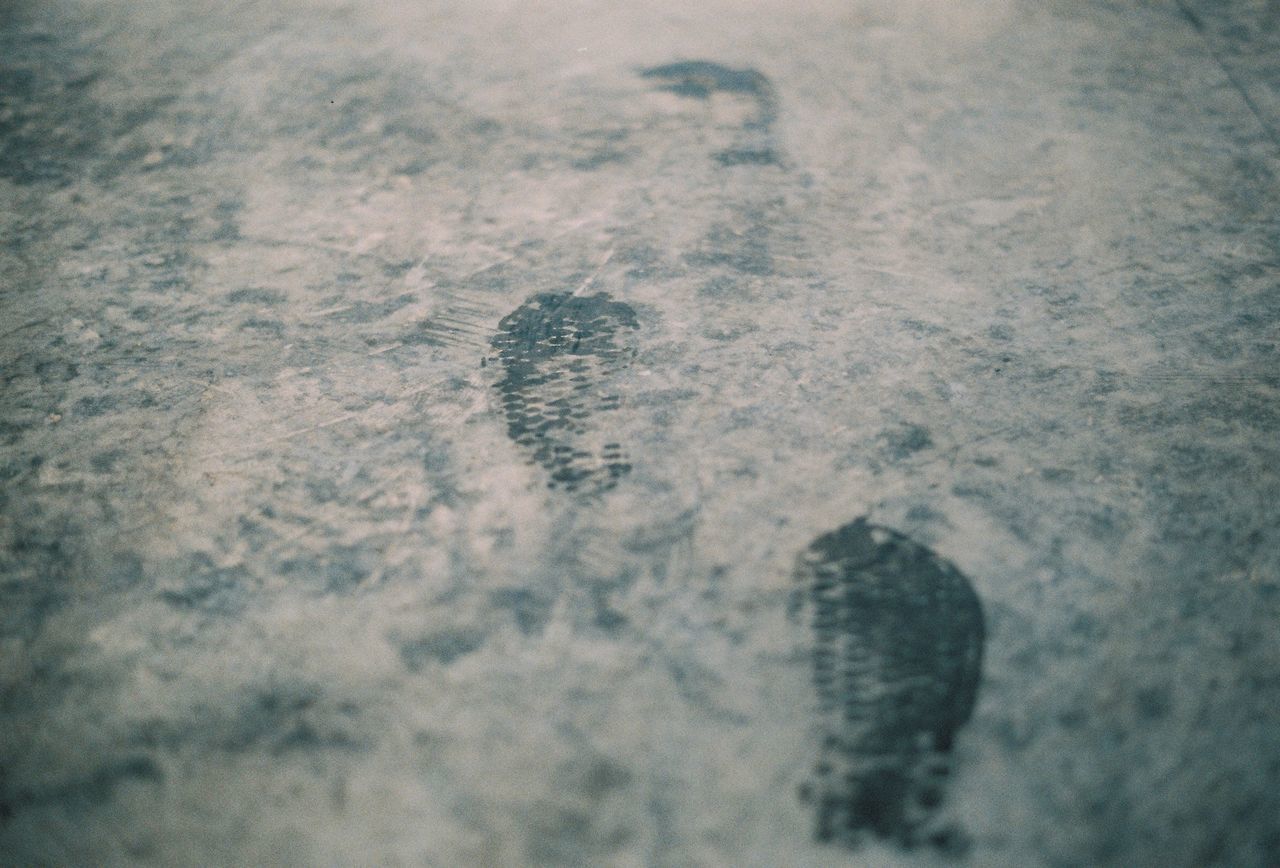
(280, 587)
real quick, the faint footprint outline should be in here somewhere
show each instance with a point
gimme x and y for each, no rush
(699, 79)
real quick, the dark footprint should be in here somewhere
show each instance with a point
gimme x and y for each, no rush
(560, 354)
(700, 79)
(897, 657)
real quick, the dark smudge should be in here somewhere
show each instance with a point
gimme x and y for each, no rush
(285, 718)
(444, 648)
(744, 251)
(748, 157)
(530, 611)
(94, 788)
(560, 354)
(897, 656)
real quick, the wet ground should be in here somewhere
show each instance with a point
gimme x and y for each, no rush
(590, 433)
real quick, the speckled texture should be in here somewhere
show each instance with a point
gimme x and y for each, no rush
(280, 589)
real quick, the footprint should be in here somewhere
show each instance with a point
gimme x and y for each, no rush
(560, 356)
(702, 78)
(699, 79)
(897, 657)
(750, 182)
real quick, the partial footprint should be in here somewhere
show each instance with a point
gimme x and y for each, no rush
(560, 354)
(700, 79)
(897, 657)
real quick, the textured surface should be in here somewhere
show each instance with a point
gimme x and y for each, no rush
(284, 577)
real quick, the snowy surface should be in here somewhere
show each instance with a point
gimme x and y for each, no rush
(277, 585)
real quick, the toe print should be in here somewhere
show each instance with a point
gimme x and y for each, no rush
(560, 355)
(896, 656)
